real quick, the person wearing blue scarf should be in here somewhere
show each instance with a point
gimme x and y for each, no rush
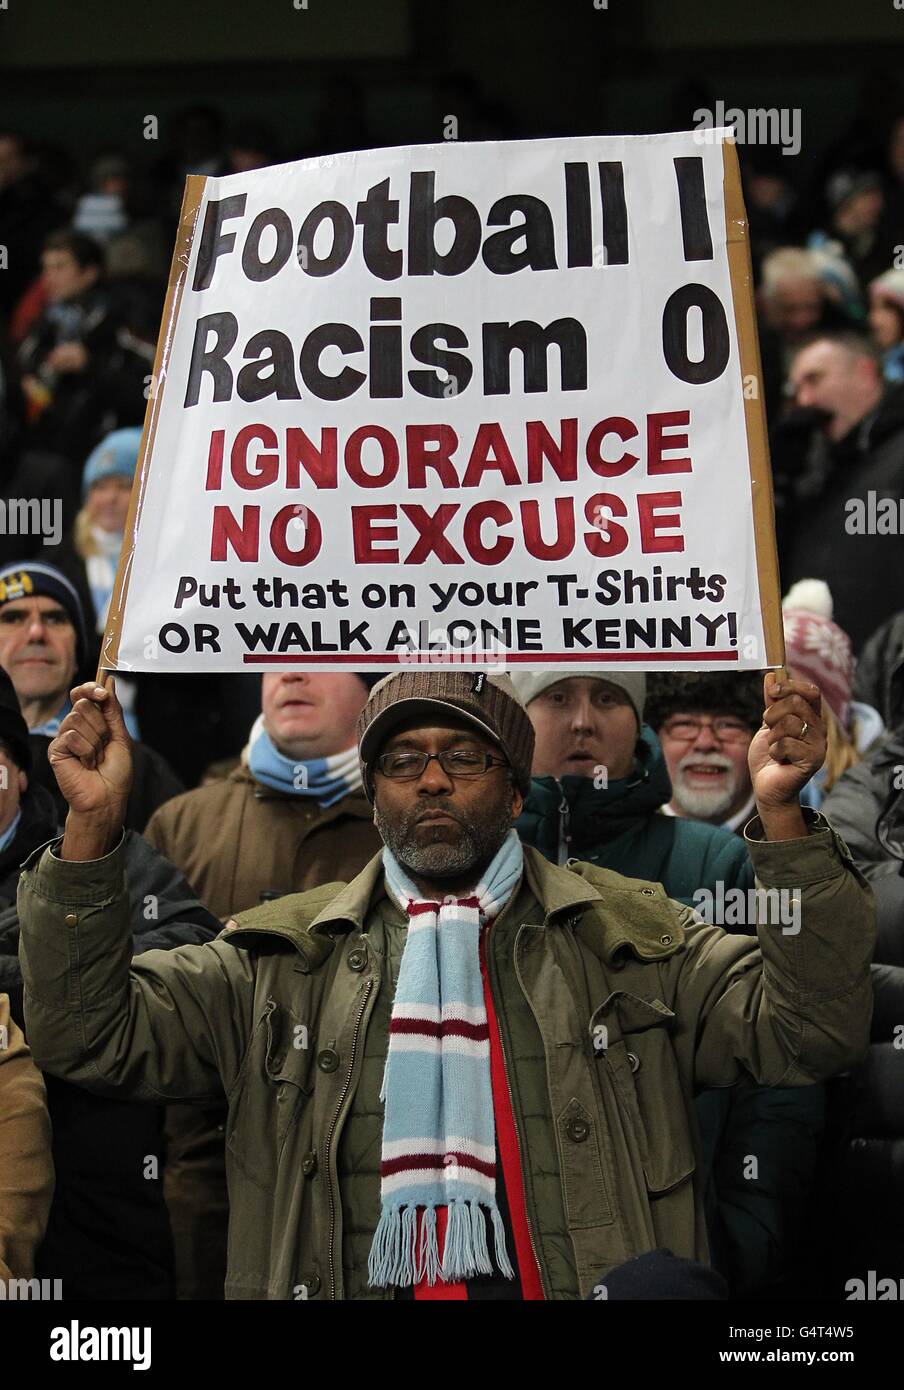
(292, 814)
(327, 779)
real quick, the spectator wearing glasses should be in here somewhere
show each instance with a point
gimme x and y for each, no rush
(599, 781)
(468, 1073)
(705, 724)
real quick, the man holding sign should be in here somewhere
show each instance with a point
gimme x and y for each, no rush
(519, 1043)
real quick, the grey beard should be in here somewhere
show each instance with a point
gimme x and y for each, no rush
(475, 849)
(708, 805)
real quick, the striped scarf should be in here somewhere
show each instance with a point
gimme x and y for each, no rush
(439, 1144)
(327, 779)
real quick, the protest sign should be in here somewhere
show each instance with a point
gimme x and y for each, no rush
(495, 403)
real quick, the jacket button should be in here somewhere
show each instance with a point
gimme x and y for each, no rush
(71, 919)
(666, 940)
(648, 892)
(309, 1164)
(357, 959)
(310, 1283)
(577, 1130)
(328, 1060)
(634, 1060)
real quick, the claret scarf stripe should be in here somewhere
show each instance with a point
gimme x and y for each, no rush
(439, 1144)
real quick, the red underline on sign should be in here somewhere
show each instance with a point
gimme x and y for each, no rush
(467, 658)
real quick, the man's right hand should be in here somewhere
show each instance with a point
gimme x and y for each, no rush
(91, 758)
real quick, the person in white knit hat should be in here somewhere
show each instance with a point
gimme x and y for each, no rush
(599, 779)
(583, 723)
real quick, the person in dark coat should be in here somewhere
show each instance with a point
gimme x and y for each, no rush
(855, 203)
(866, 805)
(864, 1180)
(856, 1235)
(878, 677)
(80, 374)
(43, 646)
(862, 1184)
(108, 1234)
(849, 459)
(28, 816)
(600, 781)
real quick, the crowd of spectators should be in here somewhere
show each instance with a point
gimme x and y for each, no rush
(219, 821)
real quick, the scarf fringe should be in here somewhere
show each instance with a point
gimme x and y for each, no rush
(502, 1259)
(385, 1253)
(465, 1253)
(399, 1256)
(428, 1264)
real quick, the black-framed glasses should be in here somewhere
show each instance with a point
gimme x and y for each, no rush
(406, 764)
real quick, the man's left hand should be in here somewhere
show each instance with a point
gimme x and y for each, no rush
(787, 750)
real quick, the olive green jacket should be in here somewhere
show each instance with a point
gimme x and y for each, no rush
(614, 1003)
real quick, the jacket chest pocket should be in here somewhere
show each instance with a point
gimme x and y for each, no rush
(631, 1037)
(288, 1066)
(273, 1087)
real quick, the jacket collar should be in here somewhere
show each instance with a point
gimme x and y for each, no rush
(614, 912)
(352, 905)
(624, 912)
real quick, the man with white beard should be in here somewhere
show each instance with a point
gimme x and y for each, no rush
(705, 724)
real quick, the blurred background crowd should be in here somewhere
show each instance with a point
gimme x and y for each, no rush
(88, 227)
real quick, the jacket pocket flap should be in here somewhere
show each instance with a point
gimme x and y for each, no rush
(290, 1047)
(634, 1014)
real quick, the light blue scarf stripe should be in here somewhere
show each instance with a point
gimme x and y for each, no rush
(328, 780)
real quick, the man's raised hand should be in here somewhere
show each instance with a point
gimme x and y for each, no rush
(785, 753)
(91, 758)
